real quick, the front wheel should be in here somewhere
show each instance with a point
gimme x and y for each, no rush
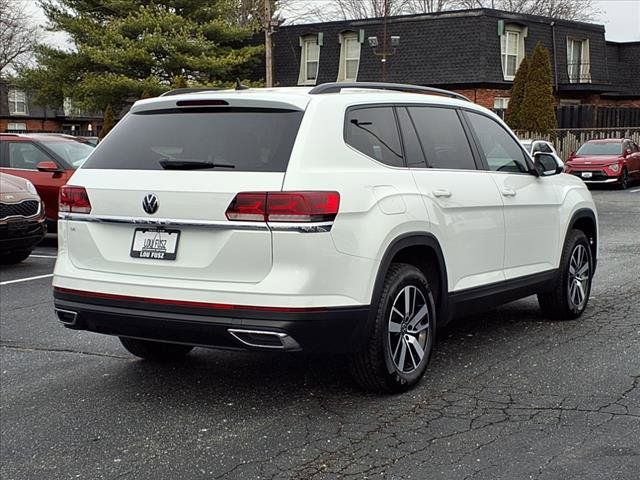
(569, 295)
(155, 351)
(624, 179)
(399, 343)
(14, 257)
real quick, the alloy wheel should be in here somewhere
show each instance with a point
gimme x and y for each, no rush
(579, 277)
(409, 328)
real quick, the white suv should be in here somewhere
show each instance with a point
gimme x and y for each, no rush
(349, 218)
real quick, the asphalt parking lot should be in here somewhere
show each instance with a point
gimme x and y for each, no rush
(509, 395)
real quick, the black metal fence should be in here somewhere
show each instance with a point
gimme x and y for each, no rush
(593, 116)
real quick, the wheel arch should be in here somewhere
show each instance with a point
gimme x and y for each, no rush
(585, 220)
(404, 249)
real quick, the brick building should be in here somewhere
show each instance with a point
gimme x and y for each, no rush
(19, 114)
(475, 52)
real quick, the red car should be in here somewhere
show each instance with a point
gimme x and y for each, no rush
(46, 160)
(609, 160)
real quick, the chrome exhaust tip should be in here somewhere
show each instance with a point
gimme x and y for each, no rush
(68, 317)
(265, 339)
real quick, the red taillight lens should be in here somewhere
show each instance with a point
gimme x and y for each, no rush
(248, 207)
(74, 200)
(284, 207)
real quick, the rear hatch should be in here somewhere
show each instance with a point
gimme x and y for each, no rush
(179, 164)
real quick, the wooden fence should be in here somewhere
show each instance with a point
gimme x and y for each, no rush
(569, 140)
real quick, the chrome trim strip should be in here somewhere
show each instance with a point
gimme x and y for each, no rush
(319, 227)
(163, 222)
(595, 182)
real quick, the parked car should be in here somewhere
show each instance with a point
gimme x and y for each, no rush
(45, 160)
(22, 219)
(534, 146)
(610, 160)
(300, 219)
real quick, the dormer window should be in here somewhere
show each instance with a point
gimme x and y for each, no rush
(578, 64)
(349, 57)
(17, 102)
(309, 60)
(512, 50)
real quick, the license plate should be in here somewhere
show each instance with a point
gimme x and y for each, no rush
(155, 244)
(587, 174)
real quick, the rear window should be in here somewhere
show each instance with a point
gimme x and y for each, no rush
(250, 140)
(600, 148)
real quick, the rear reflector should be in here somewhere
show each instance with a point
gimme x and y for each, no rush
(284, 207)
(74, 199)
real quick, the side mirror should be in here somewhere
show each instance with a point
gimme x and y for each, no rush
(546, 164)
(48, 166)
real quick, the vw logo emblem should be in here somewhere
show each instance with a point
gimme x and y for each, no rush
(150, 204)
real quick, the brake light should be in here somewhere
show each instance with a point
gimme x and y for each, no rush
(74, 200)
(284, 206)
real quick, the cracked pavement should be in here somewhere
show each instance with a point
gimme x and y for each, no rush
(508, 395)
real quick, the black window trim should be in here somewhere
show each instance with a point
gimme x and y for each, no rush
(402, 135)
(482, 156)
(362, 106)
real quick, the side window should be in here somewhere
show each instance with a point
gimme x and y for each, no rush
(541, 147)
(374, 132)
(635, 147)
(442, 137)
(412, 150)
(502, 152)
(25, 155)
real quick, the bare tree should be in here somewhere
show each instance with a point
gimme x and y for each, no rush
(18, 34)
(565, 9)
(429, 6)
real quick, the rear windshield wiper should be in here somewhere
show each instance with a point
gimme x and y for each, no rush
(191, 164)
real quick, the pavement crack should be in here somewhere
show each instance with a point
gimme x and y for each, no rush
(26, 348)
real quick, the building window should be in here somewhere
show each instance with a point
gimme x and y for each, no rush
(512, 50)
(16, 127)
(70, 109)
(309, 60)
(578, 65)
(349, 57)
(500, 103)
(17, 102)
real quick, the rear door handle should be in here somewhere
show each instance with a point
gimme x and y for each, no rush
(441, 192)
(508, 192)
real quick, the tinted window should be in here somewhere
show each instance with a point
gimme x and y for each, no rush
(249, 139)
(502, 152)
(412, 149)
(541, 147)
(73, 152)
(443, 139)
(25, 155)
(374, 132)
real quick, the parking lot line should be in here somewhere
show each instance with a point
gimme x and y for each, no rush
(37, 277)
(634, 191)
(42, 256)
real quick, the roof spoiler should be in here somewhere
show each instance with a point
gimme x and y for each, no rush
(336, 87)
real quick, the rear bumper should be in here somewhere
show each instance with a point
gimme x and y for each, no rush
(318, 330)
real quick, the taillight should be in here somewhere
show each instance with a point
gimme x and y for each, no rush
(74, 200)
(284, 206)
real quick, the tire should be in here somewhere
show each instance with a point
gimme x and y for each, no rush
(381, 366)
(569, 295)
(155, 351)
(624, 179)
(14, 257)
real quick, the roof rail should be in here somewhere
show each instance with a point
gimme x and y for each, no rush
(336, 87)
(180, 91)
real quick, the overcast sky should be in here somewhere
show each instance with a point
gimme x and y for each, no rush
(621, 19)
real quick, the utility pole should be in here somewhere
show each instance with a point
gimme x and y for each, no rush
(384, 41)
(268, 44)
